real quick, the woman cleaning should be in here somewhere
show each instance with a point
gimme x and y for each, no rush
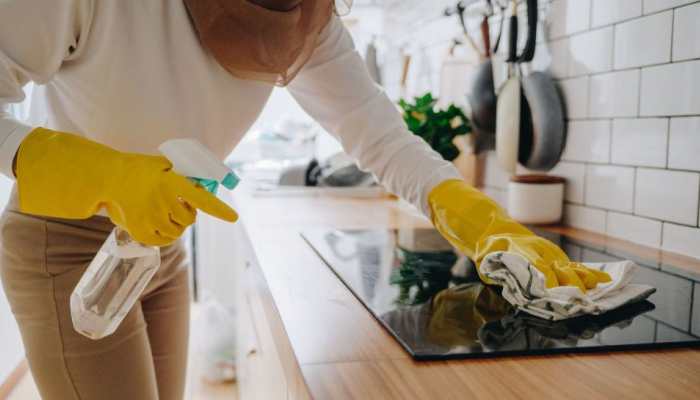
(116, 79)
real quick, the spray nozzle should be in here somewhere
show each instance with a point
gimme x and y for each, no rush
(192, 159)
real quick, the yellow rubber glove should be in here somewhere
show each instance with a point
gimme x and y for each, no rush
(477, 226)
(66, 176)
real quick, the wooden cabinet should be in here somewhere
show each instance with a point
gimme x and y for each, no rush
(229, 271)
(267, 367)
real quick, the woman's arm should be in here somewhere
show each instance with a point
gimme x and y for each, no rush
(335, 88)
(36, 38)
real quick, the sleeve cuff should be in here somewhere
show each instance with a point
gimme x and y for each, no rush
(14, 133)
(444, 173)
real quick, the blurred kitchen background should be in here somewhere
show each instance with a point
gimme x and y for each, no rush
(629, 71)
(629, 75)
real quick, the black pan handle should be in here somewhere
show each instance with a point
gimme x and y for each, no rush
(529, 50)
(485, 36)
(513, 39)
(500, 30)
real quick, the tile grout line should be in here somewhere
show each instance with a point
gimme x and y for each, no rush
(616, 164)
(585, 183)
(611, 131)
(673, 23)
(630, 68)
(634, 191)
(619, 22)
(612, 48)
(673, 8)
(578, 76)
(668, 144)
(698, 221)
(592, 28)
(639, 93)
(663, 229)
(629, 214)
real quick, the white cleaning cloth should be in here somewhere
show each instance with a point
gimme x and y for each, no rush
(524, 287)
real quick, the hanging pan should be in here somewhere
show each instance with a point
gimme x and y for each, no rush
(482, 96)
(508, 119)
(542, 130)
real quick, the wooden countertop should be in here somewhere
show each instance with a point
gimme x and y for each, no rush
(343, 353)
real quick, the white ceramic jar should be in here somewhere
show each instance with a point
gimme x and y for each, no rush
(536, 199)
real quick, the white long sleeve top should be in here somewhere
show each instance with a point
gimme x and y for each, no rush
(132, 74)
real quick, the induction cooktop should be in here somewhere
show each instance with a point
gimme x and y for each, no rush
(433, 303)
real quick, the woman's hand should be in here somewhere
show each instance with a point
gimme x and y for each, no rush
(66, 176)
(477, 226)
(547, 257)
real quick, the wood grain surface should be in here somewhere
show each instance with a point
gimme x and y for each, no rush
(343, 353)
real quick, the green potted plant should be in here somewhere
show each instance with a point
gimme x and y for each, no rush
(437, 127)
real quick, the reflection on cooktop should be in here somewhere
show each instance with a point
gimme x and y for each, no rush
(432, 301)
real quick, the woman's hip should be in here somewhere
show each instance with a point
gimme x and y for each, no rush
(51, 246)
(38, 254)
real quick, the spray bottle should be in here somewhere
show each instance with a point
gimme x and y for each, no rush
(122, 268)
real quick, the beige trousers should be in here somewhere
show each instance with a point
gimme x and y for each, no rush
(41, 261)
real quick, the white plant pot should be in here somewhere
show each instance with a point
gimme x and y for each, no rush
(536, 199)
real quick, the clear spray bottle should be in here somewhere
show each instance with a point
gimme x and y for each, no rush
(122, 267)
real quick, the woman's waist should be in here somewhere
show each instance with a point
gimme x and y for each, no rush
(98, 222)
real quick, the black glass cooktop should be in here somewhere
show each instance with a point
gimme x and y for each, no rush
(431, 300)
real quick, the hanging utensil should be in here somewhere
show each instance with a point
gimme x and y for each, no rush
(498, 59)
(482, 96)
(486, 36)
(459, 10)
(543, 130)
(405, 67)
(509, 102)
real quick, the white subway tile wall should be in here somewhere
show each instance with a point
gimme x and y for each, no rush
(629, 72)
(575, 174)
(559, 65)
(671, 89)
(591, 52)
(681, 239)
(651, 6)
(605, 12)
(588, 141)
(640, 141)
(667, 195)
(586, 218)
(610, 187)
(635, 229)
(614, 94)
(569, 16)
(684, 144)
(686, 31)
(652, 33)
(575, 93)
